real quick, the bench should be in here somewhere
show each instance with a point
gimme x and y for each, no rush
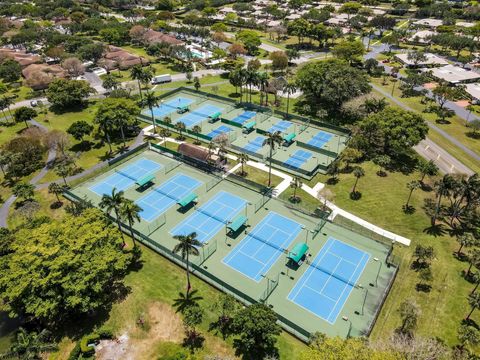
(237, 223)
(187, 200)
(248, 127)
(214, 117)
(288, 138)
(183, 109)
(145, 180)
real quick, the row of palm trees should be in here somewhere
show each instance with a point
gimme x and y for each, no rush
(250, 78)
(126, 209)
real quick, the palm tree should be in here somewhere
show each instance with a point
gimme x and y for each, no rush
(113, 203)
(164, 133)
(188, 245)
(29, 346)
(465, 240)
(263, 84)
(105, 124)
(290, 88)
(476, 280)
(197, 130)
(474, 260)
(474, 302)
(358, 172)
(272, 140)
(442, 188)
(180, 127)
(243, 158)
(136, 73)
(130, 211)
(412, 186)
(55, 189)
(295, 184)
(150, 101)
(427, 168)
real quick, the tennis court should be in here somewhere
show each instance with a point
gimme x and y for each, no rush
(261, 248)
(208, 219)
(126, 176)
(281, 126)
(326, 285)
(255, 144)
(161, 198)
(244, 117)
(193, 118)
(320, 139)
(298, 158)
(170, 106)
(218, 131)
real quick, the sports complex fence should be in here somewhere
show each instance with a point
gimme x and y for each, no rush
(209, 248)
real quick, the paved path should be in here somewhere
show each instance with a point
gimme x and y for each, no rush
(427, 148)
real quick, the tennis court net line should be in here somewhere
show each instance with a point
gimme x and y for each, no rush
(269, 243)
(219, 219)
(165, 194)
(325, 271)
(125, 174)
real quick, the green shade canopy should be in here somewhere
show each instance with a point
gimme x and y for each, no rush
(187, 199)
(145, 180)
(237, 223)
(216, 115)
(289, 137)
(296, 254)
(249, 125)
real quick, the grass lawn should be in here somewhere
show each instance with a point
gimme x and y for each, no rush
(259, 176)
(381, 204)
(456, 128)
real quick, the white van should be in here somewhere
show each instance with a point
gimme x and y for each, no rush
(160, 79)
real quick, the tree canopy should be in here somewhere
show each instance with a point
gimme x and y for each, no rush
(332, 82)
(62, 268)
(64, 93)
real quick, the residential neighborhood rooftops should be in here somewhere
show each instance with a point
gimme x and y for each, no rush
(455, 74)
(431, 59)
(473, 90)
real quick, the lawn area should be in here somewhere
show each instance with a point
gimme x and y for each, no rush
(456, 128)
(381, 204)
(259, 176)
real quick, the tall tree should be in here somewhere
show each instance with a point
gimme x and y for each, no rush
(188, 245)
(272, 140)
(474, 302)
(114, 202)
(409, 312)
(243, 158)
(30, 345)
(412, 186)
(130, 211)
(295, 184)
(358, 172)
(290, 88)
(136, 72)
(151, 101)
(426, 168)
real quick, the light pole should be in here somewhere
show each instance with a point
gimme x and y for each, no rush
(345, 318)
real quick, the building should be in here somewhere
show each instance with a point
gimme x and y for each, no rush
(422, 37)
(39, 76)
(431, 60)
(431, 23)
(116, 57)
(20, 56)
(454, 74)
(155, 37)
(474, 91)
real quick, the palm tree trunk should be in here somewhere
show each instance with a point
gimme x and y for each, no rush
(123, 136)
(270, 167)
(475, 288)
(408, 200)
(107, 136)
(153, 121)
(355, 185)
(120, 227)
(188, 276)
(132, 234)
(470, 314)
(437, 209)
(140, 89)
(288, 101)
(459, 251)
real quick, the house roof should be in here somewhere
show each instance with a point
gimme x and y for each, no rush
(39, 76)
(194, 151)
(455, 74)
(20, 56)
(433, 23)
(473, 90)
(156, 37)
(432, 59)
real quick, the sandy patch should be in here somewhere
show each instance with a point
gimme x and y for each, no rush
(431, 85)
(162, 324)
(462, 103)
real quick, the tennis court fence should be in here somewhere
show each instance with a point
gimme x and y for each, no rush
(237, 149)
(317, 149)
(201, 272)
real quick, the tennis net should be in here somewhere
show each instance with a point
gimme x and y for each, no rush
(336, 276)
(165, 194)
(269, 243)
(125, 174)
(219, 219)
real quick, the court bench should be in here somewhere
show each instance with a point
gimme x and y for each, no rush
(144, 181)
(187, 200)
(237, 223)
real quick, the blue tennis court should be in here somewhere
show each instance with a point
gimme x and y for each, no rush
(126, 176)
(218, 131)
(326, 285)
(262, 247)
(244, 117)
(255, 144)
(281, 126)
(298, 159)
(161, 198)
(320, 139)
(211, 217)
(171, 106)
(196, 116)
